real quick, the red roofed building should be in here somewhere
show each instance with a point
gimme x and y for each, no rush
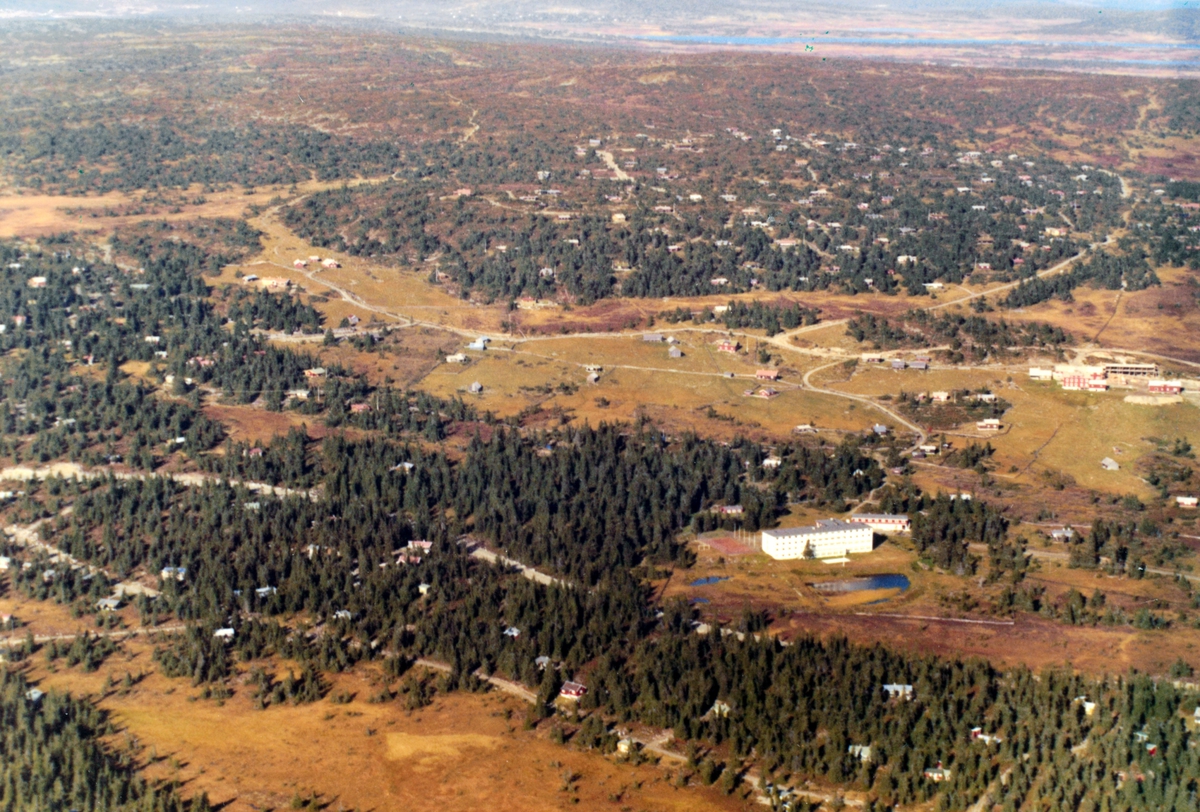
(572, 690)
(1158, 386)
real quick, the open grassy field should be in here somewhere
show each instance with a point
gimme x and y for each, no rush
(27, 214)
(637, 377)
(1163, 320)
(463, 752)
(360, 287)
(250, 423)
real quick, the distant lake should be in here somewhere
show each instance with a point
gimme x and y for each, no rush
(701, 39)
(712, 579)
(891, 581)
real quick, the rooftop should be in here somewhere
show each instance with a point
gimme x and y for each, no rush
(822, 526)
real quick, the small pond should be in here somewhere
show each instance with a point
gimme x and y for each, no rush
(712, 579)
(891, 581)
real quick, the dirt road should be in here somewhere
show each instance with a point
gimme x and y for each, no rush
(68, 470)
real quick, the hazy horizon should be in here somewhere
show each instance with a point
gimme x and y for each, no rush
(1148, 36)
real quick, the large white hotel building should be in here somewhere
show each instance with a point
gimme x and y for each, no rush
(830, 538)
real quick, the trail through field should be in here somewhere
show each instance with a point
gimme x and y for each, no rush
(617, 171)
(1051, 271)
(69, 470)
(529, 572)
(112, 634)
(29, 537)
(507, 686)
(808, 384)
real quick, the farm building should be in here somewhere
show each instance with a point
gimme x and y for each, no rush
(173, 573)
(860, 751)
(937, 774)
(331, 263)
(456, 358)
(767, 374)
(896, 690)
(884, 522)
(1077, 378)
(990, 424)
(727, 346)
(1132, 370)
(479, 343)
(572, 690)
(898, 363)
(719, 709)
(1041, 374)
(1063, 534)
(654, 338)
(772, 462)
(675, 352)
(475, 388)
(829, 538)
(940, 397)
(977, 734)
(274, 284)
(1187, 501)
(1109, 464)
(1158, 386)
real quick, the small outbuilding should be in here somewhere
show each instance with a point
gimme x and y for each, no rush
(572, 690)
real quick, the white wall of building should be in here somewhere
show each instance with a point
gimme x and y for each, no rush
(827, 540)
